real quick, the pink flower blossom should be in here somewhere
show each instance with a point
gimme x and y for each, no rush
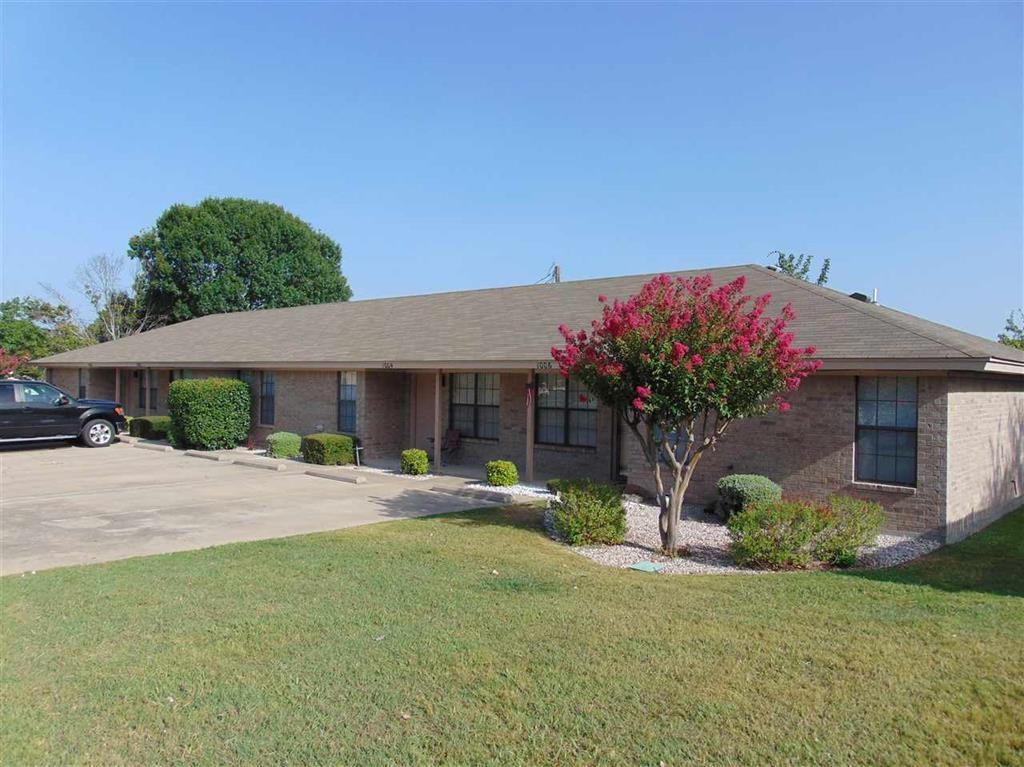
(643, 392)
(638, 404)
(697, 360)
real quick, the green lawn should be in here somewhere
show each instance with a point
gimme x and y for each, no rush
(397, 644)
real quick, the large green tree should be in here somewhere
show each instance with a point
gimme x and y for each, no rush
(230, 255)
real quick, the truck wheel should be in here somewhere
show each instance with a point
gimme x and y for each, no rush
(98, 433)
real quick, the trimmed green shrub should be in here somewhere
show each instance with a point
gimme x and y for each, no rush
(852, 523)
(796, 533)
(415, 461)
(588, 512)
(502, 473)
(209, 413)
(777, 534)
(738, 491)
(150, 426)
(327, 449)
(284, 444)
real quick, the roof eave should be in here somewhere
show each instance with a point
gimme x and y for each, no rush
(846, 364)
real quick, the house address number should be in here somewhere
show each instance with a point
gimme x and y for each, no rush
(546, 365)
(387, 365)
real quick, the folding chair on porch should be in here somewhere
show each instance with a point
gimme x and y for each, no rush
(450, 445)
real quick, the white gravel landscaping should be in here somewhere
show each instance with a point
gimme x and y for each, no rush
(393, 473)
(706, 539)
(526, 491)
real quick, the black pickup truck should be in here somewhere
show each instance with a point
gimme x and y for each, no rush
(34, 410)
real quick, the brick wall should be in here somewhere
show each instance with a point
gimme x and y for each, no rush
(809, 451)
(101, 384)
(986, 450)
(382, 412)
(305, 402)
(65, 378)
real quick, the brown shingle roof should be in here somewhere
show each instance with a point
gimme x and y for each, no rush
(516, 325)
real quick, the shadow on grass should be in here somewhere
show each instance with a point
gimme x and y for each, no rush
(991, 561)
(517, 516)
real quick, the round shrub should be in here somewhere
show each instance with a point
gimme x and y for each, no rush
(779, 534)
(589, 513)
(150, 426)
(502, 473)
(738, 491)
(284, 444)
(209, 413)
(415, 461)
(326, 449)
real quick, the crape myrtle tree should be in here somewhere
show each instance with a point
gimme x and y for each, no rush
(680, 361)
(9, 362)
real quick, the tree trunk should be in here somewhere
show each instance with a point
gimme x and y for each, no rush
(668, 520)
(667, 525)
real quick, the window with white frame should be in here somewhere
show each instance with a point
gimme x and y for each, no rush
(886, 449)
(566, 412)
(475, 400)
(347, 401)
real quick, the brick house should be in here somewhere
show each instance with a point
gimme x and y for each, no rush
(925, 419)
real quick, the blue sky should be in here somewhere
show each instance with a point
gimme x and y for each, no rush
(450, 146)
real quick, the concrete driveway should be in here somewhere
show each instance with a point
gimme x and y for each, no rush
(70, 505)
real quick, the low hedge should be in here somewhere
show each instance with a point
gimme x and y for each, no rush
(415, 461)
(852, 523)
(209, 413)
(588, 512)
(798, 533)
(775, 535)
(284, 444)
(738, 491)
(502, 473)
(327, 449)
(150, 426)
(555, 485)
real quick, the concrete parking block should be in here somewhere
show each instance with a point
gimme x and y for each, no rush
(222, 457)
(337, 476)
(153, 446)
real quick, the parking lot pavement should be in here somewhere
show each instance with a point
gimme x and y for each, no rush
(70, 505)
